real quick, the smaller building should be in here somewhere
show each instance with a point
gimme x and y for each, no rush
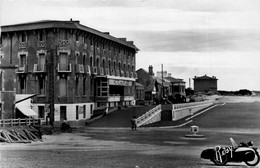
(205, 83)
(139, 93)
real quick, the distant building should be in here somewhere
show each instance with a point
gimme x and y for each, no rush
(155, 88)
(205, 83)
(78, 68)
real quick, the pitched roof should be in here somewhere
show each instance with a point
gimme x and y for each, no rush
(205, 77)
(45, 24)
(174, 80)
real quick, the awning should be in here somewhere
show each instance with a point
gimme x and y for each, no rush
(23, 97)
(25, 109)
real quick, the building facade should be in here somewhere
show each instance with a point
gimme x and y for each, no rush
(71, 68)
(205, 83)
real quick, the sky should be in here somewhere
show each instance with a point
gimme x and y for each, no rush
(189, 37)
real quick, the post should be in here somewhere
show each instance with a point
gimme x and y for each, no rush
(19, 121)
(162, 83)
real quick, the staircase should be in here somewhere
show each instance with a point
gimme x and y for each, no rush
(153, 115)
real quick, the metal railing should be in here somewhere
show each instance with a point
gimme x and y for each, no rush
(146, 116)
(21, 122)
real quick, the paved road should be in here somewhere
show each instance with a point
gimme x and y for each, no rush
(146, 148)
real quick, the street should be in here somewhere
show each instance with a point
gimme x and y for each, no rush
(105, 147)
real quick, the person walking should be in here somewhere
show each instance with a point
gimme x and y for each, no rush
(133, 123)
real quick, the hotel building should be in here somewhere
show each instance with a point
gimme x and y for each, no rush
(76, 69)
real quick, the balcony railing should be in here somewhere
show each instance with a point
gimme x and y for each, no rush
(41, 44)
(107, 71)
(131, 75)
(117, 73)
(63, 42)
(127, 74)
(122, 73)
(87, 69)
(85, 46)
(22, 44)
(39, 68)
(101, 71)
(63, 69)
(94, 70)
(113, 72)
(21, 69)
(80, 68)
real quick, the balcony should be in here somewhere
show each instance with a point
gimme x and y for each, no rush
(22, 44)
(80, 68)
(131, 75)
(85, 46)
(41, 44)
(64, 69)
(87, 69)
(39, 68)
(117, 73)
(122, 73)
(107, 71)
(135, 75)
(127, 74)
(94, 70)
(22, 69)
(113, 72)
(101, 71)
(64, 43)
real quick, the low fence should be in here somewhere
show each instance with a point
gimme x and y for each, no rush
(146, 118)
(180, 111)
(21, 122)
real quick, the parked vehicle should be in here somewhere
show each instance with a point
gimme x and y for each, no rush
(244, 152)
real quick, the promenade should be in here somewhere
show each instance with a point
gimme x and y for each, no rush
(109, 147)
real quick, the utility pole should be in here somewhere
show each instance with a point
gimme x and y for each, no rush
(162, 83)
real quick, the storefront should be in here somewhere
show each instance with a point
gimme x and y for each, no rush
(112, 91)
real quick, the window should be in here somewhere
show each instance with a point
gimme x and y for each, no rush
(77, 112)
(85, 40)
(66, 35)
(103, 63)
(63, 87)
(84, 59)
(41, 61)
(97, 63)
(84, 111)
(41, 85)
(91, 61)
(77, 37)
(91, 42)
(22, 85)
(41, 112)
(22, 60)
(1, 40)
(23, 37)
(77, 86)
(41, 36)
(1, 80)
(63, 61)
(84, 86)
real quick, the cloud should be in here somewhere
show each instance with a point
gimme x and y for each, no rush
(197, 40)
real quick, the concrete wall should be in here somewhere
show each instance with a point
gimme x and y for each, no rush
(154, 119)
(188, 110)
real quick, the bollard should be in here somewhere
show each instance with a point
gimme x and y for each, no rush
(194, 130)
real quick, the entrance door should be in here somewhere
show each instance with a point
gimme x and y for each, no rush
(63, 113)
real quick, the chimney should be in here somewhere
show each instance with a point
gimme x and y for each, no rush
(150, 70)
